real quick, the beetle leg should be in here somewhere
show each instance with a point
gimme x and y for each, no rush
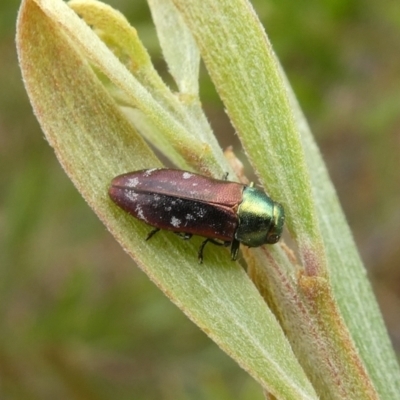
(200, 252)
(235, 249)
(152, 233)
(201, 248)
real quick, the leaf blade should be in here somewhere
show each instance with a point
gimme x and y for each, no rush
(94, 142)
(228, 35)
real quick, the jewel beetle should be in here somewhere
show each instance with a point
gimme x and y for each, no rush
(225, 213)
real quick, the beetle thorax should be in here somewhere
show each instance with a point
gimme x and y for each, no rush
(255, 217)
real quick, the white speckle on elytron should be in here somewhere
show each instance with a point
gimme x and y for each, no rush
(176, 222)
(186, 175)
(156, 197)
(132, 182)
(189, 217)
(149, 171)
(140, 214)
(131, 195)
(168, 208)
(201, 212)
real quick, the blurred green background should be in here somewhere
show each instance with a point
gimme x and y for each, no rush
(78, 320)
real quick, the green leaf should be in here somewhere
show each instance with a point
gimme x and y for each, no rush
(184, 59)
(349, 280)
(174, 123)
(94, 141)
(329, 323)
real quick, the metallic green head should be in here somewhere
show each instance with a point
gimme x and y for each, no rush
(260, 219)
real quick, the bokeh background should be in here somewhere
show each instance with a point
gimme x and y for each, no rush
(78, 320)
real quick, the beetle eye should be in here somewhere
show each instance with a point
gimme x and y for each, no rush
(273, 238)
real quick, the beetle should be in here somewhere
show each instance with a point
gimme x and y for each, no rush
(225, 213)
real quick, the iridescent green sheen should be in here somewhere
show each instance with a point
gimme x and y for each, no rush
(260, 219)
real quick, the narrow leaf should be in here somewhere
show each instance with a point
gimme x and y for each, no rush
(179, 48)
(94, 142)
(247, 75)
